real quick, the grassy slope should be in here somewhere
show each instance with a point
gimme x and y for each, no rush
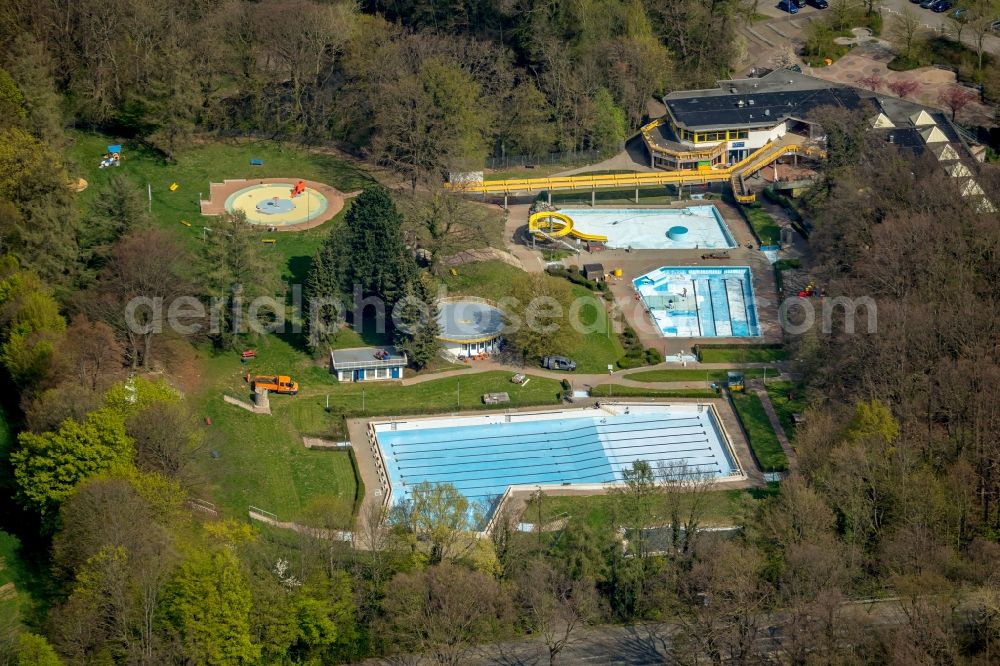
(492, 279)
(763, 441)
(767, 230)
(738, 354)
(722, 508)
(784, 406)
(262, 460)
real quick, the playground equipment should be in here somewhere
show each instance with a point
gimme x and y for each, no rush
(735, 173)
(299, 188)
(555, 225)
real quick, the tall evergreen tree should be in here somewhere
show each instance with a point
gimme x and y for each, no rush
(377, 259)
(417, 324)
(366, 256)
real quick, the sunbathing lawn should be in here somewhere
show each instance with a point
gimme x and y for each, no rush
(764, 443)
(619, 391)
(742, 354)
(785, 407)
(689, 375)
(723, 508)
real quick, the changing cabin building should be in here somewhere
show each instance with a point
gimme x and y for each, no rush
(365, 364)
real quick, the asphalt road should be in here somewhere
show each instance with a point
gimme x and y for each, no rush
(932, 21)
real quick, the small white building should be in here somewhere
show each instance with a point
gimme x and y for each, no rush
(469, 326)
(366, 364)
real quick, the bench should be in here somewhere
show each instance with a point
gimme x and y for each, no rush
(256, 162)
(716, 255)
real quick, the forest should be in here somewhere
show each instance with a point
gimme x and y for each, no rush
(897, 494)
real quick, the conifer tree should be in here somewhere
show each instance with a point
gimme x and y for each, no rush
(417, 322)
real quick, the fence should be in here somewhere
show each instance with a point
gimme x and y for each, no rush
(521, 161)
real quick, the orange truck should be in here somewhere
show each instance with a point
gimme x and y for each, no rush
(275, 384)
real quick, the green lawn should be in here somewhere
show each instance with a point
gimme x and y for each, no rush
(261, 460)
(723, 508)
(692, 375)
(767, 230)
(592, 351)
(784, 406)
(741, 354)
(763, 441)
(211, 161)
(618, 391)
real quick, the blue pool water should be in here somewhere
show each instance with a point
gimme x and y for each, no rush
(692, 302)
(482, 455)
(648, 228)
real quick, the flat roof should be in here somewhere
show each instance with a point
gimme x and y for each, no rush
(365, 357)
(469, 321)
(758, 109)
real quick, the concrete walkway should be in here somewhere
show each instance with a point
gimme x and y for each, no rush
(620, 377)
(772, 416)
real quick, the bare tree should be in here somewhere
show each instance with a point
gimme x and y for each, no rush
(906, 30)
(166, 441)
(904, 88)
(555, 606)
(955, 98)
(686, 492)
(93, 352)
(873, 82)
(142, 276)
(443, 612)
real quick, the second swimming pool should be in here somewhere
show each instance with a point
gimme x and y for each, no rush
(693, 302)
(655, 228)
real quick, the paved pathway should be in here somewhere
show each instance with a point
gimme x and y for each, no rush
(620, 377)
(772, 416)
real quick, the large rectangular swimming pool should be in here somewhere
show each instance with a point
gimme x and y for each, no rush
(483, 455)
(690, 302)
(655, 228)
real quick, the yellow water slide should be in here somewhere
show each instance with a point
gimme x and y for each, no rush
(745, 167)
(556, 225)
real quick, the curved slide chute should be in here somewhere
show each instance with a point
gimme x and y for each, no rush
(557, 225)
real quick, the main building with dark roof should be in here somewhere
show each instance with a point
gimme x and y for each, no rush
(723, 125)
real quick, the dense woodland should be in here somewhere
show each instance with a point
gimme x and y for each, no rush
(898, 492)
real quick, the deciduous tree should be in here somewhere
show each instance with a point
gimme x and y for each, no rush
(48, 466)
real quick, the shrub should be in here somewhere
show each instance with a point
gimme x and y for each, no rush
(653, 356)
(628, 362)
(565, 384)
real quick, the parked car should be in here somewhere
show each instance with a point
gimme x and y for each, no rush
(788, 6)
(799, 3)
(926, 4)
(820, 4)
(941, 6)
(558, 363)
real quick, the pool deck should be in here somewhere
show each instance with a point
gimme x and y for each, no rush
(364, 456)
(640, 262)
(219, 192)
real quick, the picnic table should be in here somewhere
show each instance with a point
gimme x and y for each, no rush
(495, 398)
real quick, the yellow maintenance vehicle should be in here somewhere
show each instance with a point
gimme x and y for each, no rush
(275, 384)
